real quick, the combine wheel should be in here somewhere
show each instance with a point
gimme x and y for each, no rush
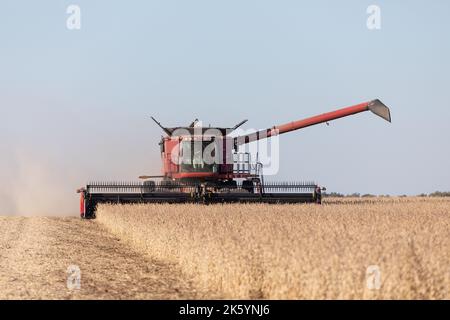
(149, 186)
(248, 186)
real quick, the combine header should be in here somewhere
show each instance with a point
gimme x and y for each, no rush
(203, 165)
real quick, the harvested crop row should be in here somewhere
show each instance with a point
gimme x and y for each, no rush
(298, 251)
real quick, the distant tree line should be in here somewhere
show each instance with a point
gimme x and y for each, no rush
(368, 195)
(351, 195)
(439, 194)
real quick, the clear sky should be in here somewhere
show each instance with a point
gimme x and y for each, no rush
(75, 104)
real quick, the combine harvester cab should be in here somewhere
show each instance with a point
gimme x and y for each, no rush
(187, 177)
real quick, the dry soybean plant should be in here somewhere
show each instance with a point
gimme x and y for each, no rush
(261, 251)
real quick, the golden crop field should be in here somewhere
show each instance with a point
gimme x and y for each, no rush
(382, 248)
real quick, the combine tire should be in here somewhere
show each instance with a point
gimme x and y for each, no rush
(248, 186)
(149, 186)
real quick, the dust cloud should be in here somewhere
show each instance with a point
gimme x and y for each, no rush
(36, 183)
(49, 152)
(35, 186)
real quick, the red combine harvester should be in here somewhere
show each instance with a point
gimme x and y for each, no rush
(224, 176)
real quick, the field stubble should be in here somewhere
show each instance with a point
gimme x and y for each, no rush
(298, 251)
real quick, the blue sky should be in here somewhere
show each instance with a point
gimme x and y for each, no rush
(75, 104)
